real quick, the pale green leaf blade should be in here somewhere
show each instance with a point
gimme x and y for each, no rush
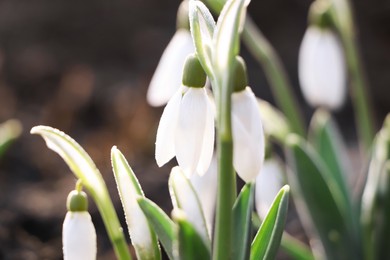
(242, 212)
(142, 235)
(268, 238)
(162, 225)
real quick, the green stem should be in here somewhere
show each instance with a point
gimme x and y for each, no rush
(262, 50)
(226, 176)
(360, 96)
(111, 222)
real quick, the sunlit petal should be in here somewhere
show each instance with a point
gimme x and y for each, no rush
(168, 75)
(208, 140)
(248, 136)
(322, 72)
(79, 237)
(165, 144)
(190, 129)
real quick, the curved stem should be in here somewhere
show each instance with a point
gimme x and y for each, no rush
(262, 50)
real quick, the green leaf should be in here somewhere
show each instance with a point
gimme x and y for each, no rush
(242, 212)
(274, 122)
(319, 200)
(185, 198)
(191, 243)
(85, 169)
(202, 26)
(226, 37)
(9, 131)
(267, 240)
(295, 248)
(142, 235)
(162, 224)
(375, 208)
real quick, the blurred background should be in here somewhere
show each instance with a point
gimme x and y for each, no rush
(84, 67)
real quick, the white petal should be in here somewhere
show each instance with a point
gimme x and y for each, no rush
(248, 136)
(322, 72)
(78, 237)
(268, 184)
(186, 199)
(206, 189)
(208, 140)
(191, 129)
(168, 75)
(165, 140)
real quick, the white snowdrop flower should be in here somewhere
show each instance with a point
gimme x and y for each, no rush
(321, 68)
(206, 188)
(268, 184)
(186, 128)
(78, 231)
(167, 77)
(248, 135)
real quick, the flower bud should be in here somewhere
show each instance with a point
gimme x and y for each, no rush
(78, 231)
(240, 77)
(193, 73)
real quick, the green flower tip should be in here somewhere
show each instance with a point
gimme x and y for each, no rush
(240, 77)
(182, 18)
(320, 14)
(77, 201)
(193, 73)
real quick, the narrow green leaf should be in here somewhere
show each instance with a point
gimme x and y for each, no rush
(242, 212)
(202, 26)
(185, 198)
(295, 248)
(191, 243)
(319, 201)
(375, 208)
(267, 240)
(142, 235)
(274, 122)
(85, 169)
(9, 131)
(162, 224)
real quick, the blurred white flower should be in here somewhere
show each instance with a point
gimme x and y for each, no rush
(78, 236)
(206, 188)
(248, 135)
(168, 75)
(321, 68)
(186, 130)
(268, 184)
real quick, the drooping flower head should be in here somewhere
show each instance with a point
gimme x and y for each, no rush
(321, 66)
(167, 77)
(186, 128)
(248, 135)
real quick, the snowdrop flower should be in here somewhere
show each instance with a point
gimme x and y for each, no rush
(78, 232)
(248, 135)
(186, 128)
(321, 68)
(167, 77)
(268, 184)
